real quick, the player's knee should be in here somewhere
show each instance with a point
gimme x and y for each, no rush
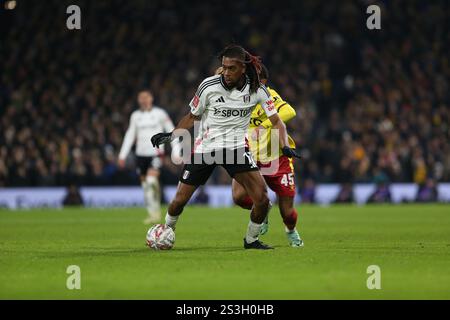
(262, 200)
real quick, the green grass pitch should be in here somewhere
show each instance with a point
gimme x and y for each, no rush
(410, 244)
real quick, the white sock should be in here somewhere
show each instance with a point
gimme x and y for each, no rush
(147, 192)
(289, 231)
(152, 197)
(253, 230)
(171, 221)
(148, 195)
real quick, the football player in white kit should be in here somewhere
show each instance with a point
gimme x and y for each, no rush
(144, 123)
(223, 104)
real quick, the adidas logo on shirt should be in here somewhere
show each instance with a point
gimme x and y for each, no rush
(221, 99)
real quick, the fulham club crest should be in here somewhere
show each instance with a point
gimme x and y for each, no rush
(247, 98)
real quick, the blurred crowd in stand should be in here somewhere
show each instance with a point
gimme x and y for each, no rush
(372, 105)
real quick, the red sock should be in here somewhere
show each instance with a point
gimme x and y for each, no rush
(246, 203)
(291, 221)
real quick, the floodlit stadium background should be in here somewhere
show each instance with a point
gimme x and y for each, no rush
(372, 105)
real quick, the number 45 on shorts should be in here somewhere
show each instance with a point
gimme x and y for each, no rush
(287, 179)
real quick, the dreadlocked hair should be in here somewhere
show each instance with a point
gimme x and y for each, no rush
(252, 63)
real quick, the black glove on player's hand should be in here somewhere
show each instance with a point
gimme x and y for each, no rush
(161, 138)
(289, 152)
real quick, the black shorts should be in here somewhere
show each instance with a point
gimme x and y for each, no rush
(145, 163)
(203, 164)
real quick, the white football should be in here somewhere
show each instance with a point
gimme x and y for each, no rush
(160, 237)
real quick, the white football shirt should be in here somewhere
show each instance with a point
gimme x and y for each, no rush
(225, 113)
(143, 125)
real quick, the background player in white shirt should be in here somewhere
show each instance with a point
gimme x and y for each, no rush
(223, 104)
(144, 123)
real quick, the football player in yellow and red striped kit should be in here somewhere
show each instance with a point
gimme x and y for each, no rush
(277, 169)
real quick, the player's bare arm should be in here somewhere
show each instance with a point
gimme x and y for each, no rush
(187, 122)
(277, 123)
